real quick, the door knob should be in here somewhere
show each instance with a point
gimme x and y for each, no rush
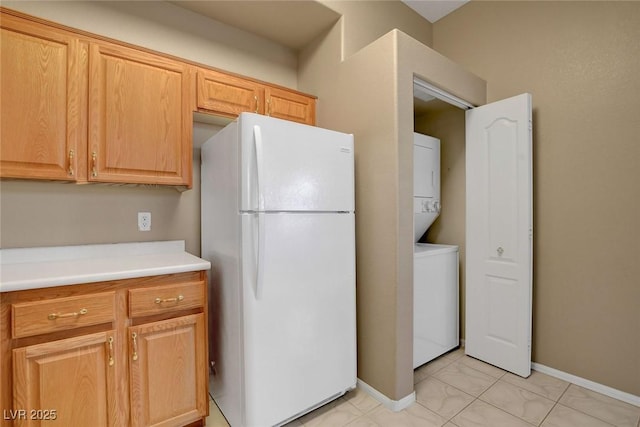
(500, 250)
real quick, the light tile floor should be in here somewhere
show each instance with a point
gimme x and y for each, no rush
(458, 391)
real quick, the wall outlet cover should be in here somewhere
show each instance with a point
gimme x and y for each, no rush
(144, 221)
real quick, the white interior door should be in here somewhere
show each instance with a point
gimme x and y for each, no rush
(499, 234)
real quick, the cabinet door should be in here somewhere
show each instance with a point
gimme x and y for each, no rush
(291, 106)
(69, 382)
(41, 90)
(168, 372)
(228, 95)
(140, 120)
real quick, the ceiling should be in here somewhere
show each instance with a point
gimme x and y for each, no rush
(294, 23)
(432, 10)
(290, 23)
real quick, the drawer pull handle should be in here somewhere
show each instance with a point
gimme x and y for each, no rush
(175, 299)
(134, 336)
(111, 361)
(54, 316)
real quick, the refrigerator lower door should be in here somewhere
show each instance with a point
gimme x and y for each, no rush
(300, 322)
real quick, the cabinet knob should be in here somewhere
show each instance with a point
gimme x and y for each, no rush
(500, 250)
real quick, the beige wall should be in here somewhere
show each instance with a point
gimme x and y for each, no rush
(37, 213)
(580, 61)
(370, 95)
(167, 28)
(360, 97)
(347, 103)
(365, 21)
(50, 214)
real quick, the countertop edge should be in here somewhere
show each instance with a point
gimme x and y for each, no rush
(66, 272)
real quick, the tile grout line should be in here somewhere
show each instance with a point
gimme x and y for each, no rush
(475, 398)
(547, 416)
(503, 410)
(579, 410)
(497, 379)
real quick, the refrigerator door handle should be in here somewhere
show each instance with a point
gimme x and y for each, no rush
(260, 257)
(257, 140)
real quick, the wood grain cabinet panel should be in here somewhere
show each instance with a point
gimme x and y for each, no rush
(115, 369)
(58, 314)
(69, 382)
(291, 106)
(166, 299)
(227, 95)
(140, 120)
(41, 100)
(78, 107)
(168, 372)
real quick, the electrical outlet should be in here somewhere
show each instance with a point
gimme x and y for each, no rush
(144, 221)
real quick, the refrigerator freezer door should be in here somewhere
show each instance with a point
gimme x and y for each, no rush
(288, 166)
(299, 325)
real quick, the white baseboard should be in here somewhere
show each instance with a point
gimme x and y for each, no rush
(393, 405)
(583, 382)
(588, 384)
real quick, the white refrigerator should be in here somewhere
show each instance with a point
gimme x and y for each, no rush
(278, 228)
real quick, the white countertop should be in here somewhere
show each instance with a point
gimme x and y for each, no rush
(30, 268)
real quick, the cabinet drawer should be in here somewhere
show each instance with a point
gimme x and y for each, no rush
(45, 316)
(166, 298)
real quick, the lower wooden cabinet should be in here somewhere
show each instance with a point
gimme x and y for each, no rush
(144, 365)
(168, 375)
(68, 382)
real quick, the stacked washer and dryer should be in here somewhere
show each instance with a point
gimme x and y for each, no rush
(435, 266)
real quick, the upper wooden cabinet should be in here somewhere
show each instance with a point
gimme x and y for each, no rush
(140, 120)
(80, 107)
(42, 100)
(290, 106)
(227, 95)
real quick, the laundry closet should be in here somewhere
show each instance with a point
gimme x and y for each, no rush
(489, 179)
(437, 215)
